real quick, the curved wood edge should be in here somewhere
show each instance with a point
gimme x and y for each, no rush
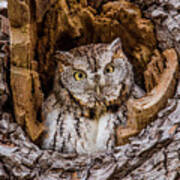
(142, 111)
(27, 98)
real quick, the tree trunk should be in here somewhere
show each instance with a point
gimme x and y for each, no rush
(37, 29)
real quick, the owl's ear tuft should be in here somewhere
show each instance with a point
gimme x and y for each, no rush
(63, 56)
(115, 45)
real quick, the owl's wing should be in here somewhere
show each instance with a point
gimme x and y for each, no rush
(50, 114)
(48, 105)
(142, 111)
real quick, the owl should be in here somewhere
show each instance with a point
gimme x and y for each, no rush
(92, 84)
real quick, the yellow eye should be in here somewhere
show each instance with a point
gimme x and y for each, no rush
(79, 75)
(109, 68)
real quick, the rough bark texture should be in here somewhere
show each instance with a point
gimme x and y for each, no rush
(166, 18)
(153, 154)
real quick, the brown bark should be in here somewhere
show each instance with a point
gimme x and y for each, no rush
(37, 29)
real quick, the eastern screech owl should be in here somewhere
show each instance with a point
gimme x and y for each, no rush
(91, 86)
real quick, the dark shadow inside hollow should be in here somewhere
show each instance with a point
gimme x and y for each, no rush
(65, 43)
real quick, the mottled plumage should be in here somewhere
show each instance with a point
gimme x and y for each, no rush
(91, 87)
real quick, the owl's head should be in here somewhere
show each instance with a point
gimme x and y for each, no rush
(95, 75)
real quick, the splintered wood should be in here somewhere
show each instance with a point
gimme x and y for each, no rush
(27, 98)
(142, 111)
(25, 84)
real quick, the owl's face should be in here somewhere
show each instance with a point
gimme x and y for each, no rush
(95, 75)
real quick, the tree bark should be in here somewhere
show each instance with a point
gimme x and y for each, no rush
(37, 29)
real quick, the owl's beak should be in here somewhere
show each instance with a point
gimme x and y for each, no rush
(98, 90)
